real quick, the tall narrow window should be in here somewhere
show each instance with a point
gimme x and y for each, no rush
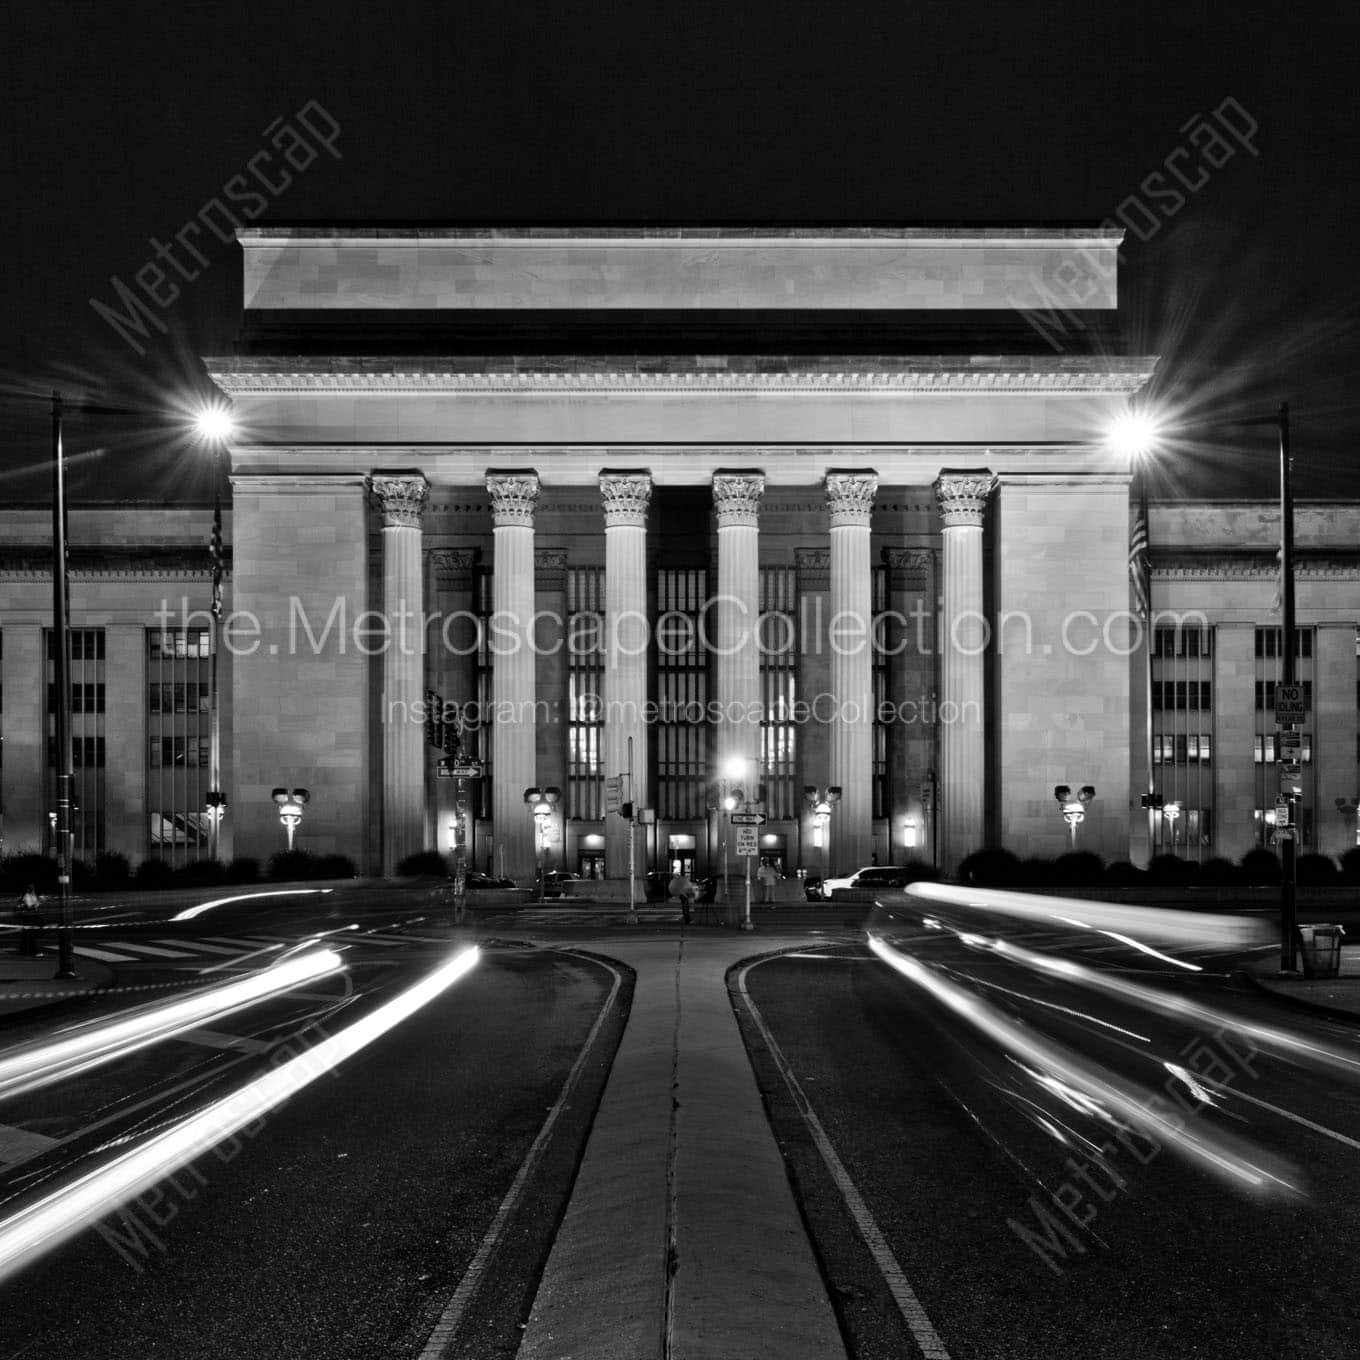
(87, 739)
(682, 695)
(1182, 727)
(585, 693)
(1274, 759)
(178, 663)
(778, 685)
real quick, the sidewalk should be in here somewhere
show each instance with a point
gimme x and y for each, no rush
(682, 1237)
(28, 983)
(1333, 994)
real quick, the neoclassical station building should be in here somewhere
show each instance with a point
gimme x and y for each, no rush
(805, 510)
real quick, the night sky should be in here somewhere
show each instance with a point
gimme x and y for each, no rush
(121, 121)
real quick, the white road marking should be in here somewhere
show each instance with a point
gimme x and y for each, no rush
(913, 1313)
(199, 944)
(1286, 1114)
(446, 1328)
(18, 1145)
(153, 950)
(104, 955)
(242, 944)
(211, 1038)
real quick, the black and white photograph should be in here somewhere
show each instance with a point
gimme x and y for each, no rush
(679, 681)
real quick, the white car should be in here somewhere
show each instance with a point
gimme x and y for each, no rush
(829, 885)
(871, 876)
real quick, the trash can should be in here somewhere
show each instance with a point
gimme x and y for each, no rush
(1321, 950)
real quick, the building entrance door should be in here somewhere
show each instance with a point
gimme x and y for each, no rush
(590, 864)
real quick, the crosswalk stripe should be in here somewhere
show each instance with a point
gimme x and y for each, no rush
(244, 944)
(18, 1145)
(200, 945)
(211, 1038)
(153, 950)
(103, 955)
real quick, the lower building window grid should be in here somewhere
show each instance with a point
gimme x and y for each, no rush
(779, 690)
(179, 741)
(681, 735)
(87, 688)
(585, 693)
(1269, 758)
(1182, 742)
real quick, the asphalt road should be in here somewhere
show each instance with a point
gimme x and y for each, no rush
(342, 1222)
(963, 1160)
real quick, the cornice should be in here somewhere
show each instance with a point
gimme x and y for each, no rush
(257, 376)
(921, 234)
(1226, 566)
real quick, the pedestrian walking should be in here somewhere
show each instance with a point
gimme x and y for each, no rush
(767, 875)
(30, 922)
(681, 887)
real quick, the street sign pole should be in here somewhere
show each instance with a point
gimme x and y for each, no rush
(632, 822)
(746, 916)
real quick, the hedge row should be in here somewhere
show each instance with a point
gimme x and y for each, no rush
(111, 872)
(1000, 868)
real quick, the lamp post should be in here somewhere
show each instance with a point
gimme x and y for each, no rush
(1137, 433)
(215, 427)
(1073, 809)
(290, 809)
(61, 674)
(821, 802)
(541, 802)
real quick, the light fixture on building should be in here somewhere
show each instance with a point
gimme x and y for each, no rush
(1073, 809)
(911, 833)
(290, 808)
(821, 802)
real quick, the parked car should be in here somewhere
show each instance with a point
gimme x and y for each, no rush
(871, 876)
(554, 882)
(475, 879)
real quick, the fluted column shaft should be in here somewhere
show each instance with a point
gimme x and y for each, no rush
(850, 497)
(514, 497)
(626, 496)
(963, 755)
(400, 498)
(736, 613)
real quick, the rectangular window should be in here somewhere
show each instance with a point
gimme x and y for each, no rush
(179, 742)
(585, 693)
(682, 695)
(779, 689)
(1268, 642)
(87, 689)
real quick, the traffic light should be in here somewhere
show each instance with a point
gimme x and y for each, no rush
(431, 718)
(626, 812)
(451, 738)
(714, 796)
(737, 793)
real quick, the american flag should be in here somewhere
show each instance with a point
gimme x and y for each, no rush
(1139, 567)
(215, 556)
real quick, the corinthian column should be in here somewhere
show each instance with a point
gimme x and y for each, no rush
(400, 498)
(735, 637)
(626, 496)
(513, 498)
(850, 497)
(962, 497)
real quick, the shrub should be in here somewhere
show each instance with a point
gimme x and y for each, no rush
(423, 862)
(291, 864)
(1219, 873)
(244, 870)
(1260, 866)
(1122, 874)
(1172, 871)
(154, 874)
(1078, 868)
(990, 869)
(201, 873)
(1316, 871)
(336, 866)
(28, 866)
(1350, 866)
(111, 871)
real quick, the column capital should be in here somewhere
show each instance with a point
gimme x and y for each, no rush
(962, 497)
(400, 496)
(626, 496)
(514, 496)
(736, 498)
(850, 497)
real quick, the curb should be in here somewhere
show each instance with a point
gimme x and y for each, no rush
(1302, 1003)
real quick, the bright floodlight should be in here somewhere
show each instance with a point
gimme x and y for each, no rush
(1134, 433)
(215, 423)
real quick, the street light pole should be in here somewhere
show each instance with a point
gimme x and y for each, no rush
(1288, 865)
(61, 674)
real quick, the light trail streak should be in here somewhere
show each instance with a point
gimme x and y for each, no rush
(41, 1064)
(1159, 923)
(67, 1211)
(1086, 1088)
(189, 913)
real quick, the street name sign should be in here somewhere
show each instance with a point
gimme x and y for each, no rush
(1288, 704)
(747, 841)
(748, 819)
